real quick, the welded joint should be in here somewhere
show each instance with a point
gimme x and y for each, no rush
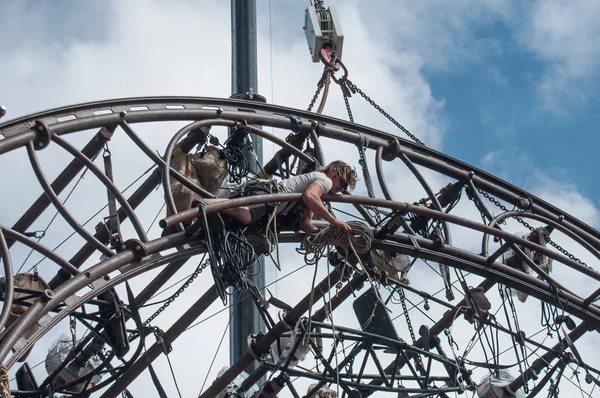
(43, 135)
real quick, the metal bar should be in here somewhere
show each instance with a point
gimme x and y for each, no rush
(332, 128)
(436, 329)
(52, 255)
(169, 337)
(545, 360)
(64, 178)
(319, 316)
(547, 221)
(87, 250)
(8, 281)
(263, 343)
(60, 207)
(161, 163)
(427, 188)
(10, 143)
(406, 207)
(380, 174)
(110, 186)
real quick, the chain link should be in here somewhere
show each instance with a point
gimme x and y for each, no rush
(171, 299)
(354, 88)
(418, 359)
(528, 226)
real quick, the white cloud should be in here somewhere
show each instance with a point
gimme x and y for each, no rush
(563, 35)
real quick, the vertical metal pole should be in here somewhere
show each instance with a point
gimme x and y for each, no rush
(245, 319)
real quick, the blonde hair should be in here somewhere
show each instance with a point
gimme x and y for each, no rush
(343, 170)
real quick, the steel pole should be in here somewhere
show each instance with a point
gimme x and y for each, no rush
(245, 318)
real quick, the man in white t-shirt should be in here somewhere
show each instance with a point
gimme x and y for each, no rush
(336, 177)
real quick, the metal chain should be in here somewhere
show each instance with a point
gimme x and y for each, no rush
(354, 88)
(528, 226)
(418, 359)
(320, 86)
(171, 299)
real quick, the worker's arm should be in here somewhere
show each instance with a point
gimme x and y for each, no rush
(312, 199)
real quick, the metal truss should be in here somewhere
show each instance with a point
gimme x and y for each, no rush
(77, 284)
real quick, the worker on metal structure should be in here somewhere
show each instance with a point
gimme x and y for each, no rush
(337, 176)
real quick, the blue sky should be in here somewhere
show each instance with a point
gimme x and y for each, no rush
(508, 86)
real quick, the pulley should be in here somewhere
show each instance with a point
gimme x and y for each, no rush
(323, 33)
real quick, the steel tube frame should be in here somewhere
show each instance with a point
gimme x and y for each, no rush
(137, 225)
(8, 281)
(92, 149)
(263, 343)
(37, 168)
(161, 162)
(61, 262)
(87, 249)
(95, 272)
(537, 217)
(416, 153)
(405, 208)
(169, 337)
(380, 175)
(545, 360)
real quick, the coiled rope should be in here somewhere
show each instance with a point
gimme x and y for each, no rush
(4, 383)
(314, 246)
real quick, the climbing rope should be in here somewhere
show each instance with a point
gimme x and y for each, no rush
(314, 245)
(4, 382)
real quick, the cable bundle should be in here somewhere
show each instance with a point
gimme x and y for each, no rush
(313, 246)
(234, 258)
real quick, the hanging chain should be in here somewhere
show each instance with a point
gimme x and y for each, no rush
(418, 359)
(171, 299)
(528, 226)
(320, 86)
(354, 88)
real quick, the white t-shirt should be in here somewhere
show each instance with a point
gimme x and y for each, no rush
(299, 184)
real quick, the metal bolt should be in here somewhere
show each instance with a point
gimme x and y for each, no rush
(561, 218)
(219, 110)
(48, 295)
(123, 113)
(2, 110)
(471, 174)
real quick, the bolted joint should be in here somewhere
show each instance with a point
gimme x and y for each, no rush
(296, 123)
(392, 151)
(137, 247)
(43, 135)
(252, 350)
(2, 111)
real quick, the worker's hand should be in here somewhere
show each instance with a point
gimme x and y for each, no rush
(341, 225)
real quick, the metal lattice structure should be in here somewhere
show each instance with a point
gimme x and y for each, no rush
(376, 359)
